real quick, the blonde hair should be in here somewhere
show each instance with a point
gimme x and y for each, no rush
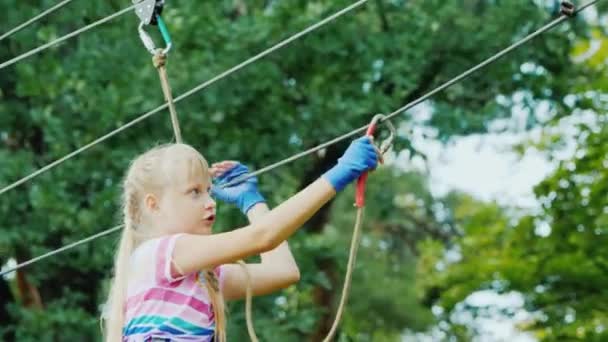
(143, 177)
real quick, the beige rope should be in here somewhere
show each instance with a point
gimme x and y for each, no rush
(354, 246)
(248, 315)
(160, 62)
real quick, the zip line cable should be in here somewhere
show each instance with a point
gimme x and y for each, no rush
(410, 105)
(421, 99)
(183, 96)
(34, 19)
(62, 249)
(64, 38)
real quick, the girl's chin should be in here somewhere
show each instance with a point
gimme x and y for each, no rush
(204, 230)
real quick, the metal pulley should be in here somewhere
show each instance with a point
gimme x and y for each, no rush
(148, 10)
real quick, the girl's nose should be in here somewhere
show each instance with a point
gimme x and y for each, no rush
(209, 203)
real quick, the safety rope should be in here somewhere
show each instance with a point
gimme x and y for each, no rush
(66, 37)
(360, 204)
(34, 19)
(160, 60)
(352, 256)
(408, 106)
(248, 298)
(183, 96)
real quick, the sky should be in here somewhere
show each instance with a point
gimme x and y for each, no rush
(487, 167)
(483, 166)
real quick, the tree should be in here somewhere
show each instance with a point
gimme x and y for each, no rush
(555, 257)
(374, 60)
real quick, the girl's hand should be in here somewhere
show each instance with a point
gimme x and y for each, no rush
(244, 194)
(360, 156)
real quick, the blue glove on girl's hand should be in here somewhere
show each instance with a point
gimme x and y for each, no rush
(359, 157)
(244, 194)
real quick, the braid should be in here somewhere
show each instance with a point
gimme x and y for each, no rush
(217, 302)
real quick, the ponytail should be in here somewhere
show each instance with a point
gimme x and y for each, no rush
(114, 315)
(113, 318)
(217, 301)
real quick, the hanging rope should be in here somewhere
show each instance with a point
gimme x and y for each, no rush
(160, 60)
(314, 149)
(360, 204)
(34, 19)
(248, 298)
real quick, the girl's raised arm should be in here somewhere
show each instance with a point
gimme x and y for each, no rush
(195, 252)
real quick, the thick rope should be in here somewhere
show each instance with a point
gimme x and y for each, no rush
(248, 295)
(34, 19)
(352, 256)
(160, 62)
(66, 37)
(183, 96)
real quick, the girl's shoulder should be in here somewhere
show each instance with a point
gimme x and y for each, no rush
(151, 247)
(151, 262)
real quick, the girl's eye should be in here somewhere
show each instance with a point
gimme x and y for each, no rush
(195, 191)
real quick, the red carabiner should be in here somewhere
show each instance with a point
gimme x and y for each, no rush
(360, 194)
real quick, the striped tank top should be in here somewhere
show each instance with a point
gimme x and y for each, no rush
(163, 304)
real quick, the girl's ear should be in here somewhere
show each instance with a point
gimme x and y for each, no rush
(151, 202)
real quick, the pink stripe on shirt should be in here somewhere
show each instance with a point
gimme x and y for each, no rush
(170, 296)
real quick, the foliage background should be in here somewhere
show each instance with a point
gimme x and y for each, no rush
(373, 60)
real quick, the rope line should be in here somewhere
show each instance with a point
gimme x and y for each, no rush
(312, 150)
(419, 100)
(248, 298)
(34, 19)
(185, 95)
(62, 249)
(352, 256)
(64, 38)
(160, 62)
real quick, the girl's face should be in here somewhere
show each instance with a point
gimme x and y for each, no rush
(185, 205)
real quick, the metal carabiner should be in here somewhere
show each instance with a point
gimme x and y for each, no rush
(147, 40)
(386, 144)
(149, 12)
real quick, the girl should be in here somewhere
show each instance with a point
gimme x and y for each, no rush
(171, 274)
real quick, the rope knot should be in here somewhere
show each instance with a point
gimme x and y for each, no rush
(159, 59)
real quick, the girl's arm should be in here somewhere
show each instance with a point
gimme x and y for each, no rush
(277, 270)
(195, 252)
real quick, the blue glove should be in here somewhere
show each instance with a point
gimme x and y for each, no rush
(244, 194)
(359, 157)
